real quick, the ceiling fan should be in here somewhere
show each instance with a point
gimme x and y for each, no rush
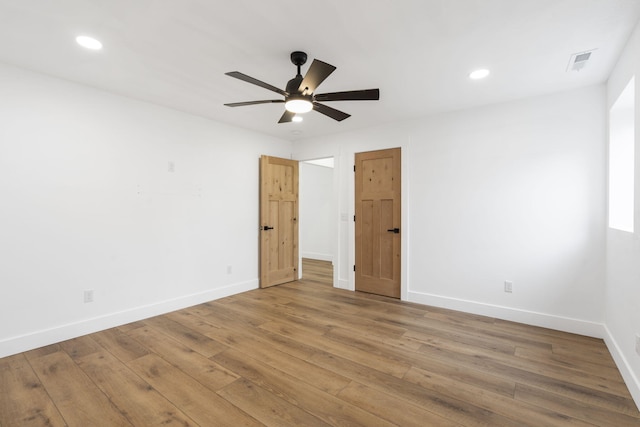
(299, 96)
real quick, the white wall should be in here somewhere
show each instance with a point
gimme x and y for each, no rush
(88, 202)
(317, 219)
(623, 248)
(514, 191)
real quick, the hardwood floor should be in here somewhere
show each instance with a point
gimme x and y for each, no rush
(306, 354)
(317, 271)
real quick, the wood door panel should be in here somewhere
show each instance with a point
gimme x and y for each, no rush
(278, 209)
(286, 233)
(366, 257)
(377, 190)
(386, 239)
(377, 175)
(271, 238)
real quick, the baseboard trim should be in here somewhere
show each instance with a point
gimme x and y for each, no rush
(318, 256)
(630, 379)
(560, 323)
(26, 342)
(343, 284)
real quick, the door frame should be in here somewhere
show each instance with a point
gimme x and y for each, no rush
(344, 156)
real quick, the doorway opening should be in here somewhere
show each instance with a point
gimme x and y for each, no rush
(318, 228)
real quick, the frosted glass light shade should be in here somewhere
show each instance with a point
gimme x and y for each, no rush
(298, 106)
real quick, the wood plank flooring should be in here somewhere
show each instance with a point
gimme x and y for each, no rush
(306, 354)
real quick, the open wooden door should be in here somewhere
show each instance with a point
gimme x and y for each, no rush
(278, 221)
(377, 192)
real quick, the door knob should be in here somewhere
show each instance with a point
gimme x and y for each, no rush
(266, 227)
(394, 230)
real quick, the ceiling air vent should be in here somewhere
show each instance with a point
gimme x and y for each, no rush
(579, 60)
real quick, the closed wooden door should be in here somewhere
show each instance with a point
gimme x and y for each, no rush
(378, 228)
(278, 221)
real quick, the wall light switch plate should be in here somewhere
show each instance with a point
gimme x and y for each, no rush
(508, 286)
(638, 344)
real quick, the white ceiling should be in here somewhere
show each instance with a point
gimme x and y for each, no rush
(418, 52)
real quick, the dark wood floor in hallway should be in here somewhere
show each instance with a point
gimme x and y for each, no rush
(306, 354)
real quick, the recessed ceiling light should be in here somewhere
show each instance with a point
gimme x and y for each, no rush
(89, 42)
(479, 74)
(296, 119)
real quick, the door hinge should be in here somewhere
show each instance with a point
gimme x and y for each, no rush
(354, 168)
(354, 218)
(354, 268)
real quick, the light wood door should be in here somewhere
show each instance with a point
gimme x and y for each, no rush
(378, 228)
(278, 221)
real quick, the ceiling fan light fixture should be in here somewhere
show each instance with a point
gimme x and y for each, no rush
(299, 95)
(298, 105)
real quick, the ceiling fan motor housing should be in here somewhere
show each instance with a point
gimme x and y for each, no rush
(298, 58)
(293, 85)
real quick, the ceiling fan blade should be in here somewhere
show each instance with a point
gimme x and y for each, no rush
(353, 95)
(248, 79)
(286, 117)
(331, 112)
(242, 104)
(318, 71)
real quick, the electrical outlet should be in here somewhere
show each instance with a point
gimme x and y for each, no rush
(508, 286)
(638, 344)
(171, 167)
(88, 296)
(229, 269)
